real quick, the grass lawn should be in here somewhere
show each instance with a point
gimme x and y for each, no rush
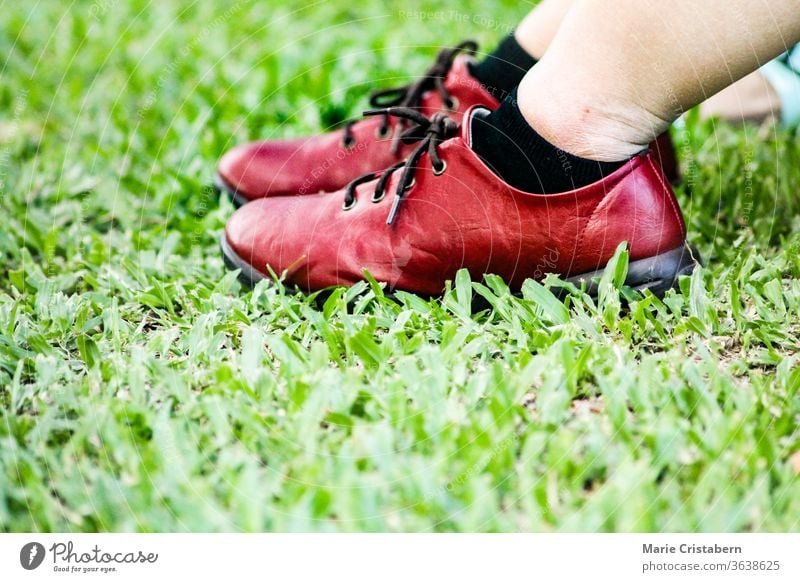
(142, 390)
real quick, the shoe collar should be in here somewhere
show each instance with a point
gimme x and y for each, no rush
(480, 111)
(609, 181)
(461, 79)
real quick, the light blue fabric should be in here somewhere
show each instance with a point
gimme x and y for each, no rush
(783, 74)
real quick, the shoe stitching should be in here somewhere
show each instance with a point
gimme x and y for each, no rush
(667, 191)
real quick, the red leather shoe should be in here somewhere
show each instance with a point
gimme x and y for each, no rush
(328, 162)
(664, 152)
(414, 225)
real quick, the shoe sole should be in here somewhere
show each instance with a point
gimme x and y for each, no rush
(223, 188)
(658, 274)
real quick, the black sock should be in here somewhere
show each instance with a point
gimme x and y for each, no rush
(502, 70)
(527, 161)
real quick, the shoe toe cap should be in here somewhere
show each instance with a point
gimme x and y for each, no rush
(265, 168)
(266, 234)
(238, 169)
(244, 227)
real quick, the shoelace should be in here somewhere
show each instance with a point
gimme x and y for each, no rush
(411, 95)
(429, 132)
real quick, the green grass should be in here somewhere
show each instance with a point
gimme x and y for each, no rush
(142, 390)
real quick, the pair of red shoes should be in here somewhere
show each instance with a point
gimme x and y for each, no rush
(402, 195)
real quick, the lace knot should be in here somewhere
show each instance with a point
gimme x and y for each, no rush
(410, 96)
(429, 132)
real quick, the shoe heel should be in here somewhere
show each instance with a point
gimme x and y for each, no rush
(659, 273)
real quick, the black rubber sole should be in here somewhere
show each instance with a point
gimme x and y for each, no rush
(658, 274)
(221, 186)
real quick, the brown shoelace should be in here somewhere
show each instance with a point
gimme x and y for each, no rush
(410, 96)
(429, 133)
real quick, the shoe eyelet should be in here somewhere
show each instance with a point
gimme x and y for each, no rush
(346, 206)
(440, 170)
(383, 132)
(348, 143)
(376, 199)
(412, 184)
(452, 104)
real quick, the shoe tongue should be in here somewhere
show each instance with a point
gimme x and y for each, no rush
(466, 123)
(460, 68)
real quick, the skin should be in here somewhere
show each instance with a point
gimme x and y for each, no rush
(617, 73)
(537, 29)
(750, 99)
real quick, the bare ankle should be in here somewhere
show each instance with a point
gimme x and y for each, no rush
(582, 125)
